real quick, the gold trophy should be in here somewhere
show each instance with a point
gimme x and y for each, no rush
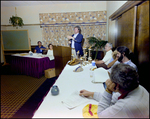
(89, 58)
(81, 61)
(78, 54)
(72, 57)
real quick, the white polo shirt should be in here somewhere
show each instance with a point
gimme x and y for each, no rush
(72, 44)
(107, 57)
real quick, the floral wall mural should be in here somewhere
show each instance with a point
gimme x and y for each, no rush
(56, 26)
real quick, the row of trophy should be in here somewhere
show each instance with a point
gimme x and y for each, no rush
(83, 59)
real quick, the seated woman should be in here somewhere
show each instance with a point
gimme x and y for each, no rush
(50, 52)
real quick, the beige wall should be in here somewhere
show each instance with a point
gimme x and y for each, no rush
(2, 58)
(111, 7)
(30, 15)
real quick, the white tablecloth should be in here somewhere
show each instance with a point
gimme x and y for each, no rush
(35, 55)
(67, 83)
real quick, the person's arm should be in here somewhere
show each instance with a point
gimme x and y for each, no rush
(43, 48)
(105, 109)
(34, 50)
(111, 63)
(86, 93)
(99, 62)
(69, 40)
(94, 95)
(79, 38)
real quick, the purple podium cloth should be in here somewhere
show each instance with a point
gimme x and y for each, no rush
(31, 66)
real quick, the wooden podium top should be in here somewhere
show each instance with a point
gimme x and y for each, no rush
(62, 51)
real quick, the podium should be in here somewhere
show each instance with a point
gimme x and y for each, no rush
(62, 55)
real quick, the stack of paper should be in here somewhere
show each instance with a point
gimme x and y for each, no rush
(100, 75)
(74, 100)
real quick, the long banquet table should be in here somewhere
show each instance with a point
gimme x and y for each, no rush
(68, 82)
(30, 65)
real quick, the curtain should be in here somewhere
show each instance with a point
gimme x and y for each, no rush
(56, 26)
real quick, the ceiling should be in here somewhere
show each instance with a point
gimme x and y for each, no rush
(32, 3)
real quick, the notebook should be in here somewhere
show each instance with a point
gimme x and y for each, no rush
(100, 75)
(74, 100)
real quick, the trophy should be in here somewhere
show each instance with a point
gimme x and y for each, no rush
(78, 54)
(89, 58)
(72, 57)
(81, 61)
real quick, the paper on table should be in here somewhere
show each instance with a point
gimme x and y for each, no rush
(74, 100)
(100, 75)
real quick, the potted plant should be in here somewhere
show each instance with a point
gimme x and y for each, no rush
(96, 44)
(16, 21)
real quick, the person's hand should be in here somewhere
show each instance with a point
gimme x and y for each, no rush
(69, 37)
(111, 87)
(69, 42)
(117, 57)
(86, 93)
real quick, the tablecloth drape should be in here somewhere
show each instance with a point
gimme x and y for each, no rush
(31, 66)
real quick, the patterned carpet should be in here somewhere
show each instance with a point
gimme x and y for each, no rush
(15, 91)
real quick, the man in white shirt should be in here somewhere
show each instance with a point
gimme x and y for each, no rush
(129, 100)
(105, 61)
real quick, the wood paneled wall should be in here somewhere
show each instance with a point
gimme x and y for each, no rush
(131, 29)
(125, 26)
(142, 43)
(112, 32)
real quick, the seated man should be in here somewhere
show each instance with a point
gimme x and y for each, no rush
(104, 62)
(130, 99)
(113, 59)
(39, 48)
(123, 57)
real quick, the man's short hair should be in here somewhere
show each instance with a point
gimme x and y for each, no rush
(124, 49)
(78, 28)
(110, 44)
(38, 42)
(125, 75)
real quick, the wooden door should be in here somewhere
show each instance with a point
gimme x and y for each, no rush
(142, 43)
(126, 24)
(112, 32)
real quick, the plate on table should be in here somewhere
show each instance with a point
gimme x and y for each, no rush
(23, 54)
(74, 63)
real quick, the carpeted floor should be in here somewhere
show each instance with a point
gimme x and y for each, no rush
(32, 104)
(21, 95)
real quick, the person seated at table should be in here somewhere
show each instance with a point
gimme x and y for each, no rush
(39, 48)
(113, 59)
(124, 56)
(104, 62)
(49, 52)
(129, 100)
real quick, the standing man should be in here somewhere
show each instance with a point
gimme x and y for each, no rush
(76, 41)
(39, 48)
